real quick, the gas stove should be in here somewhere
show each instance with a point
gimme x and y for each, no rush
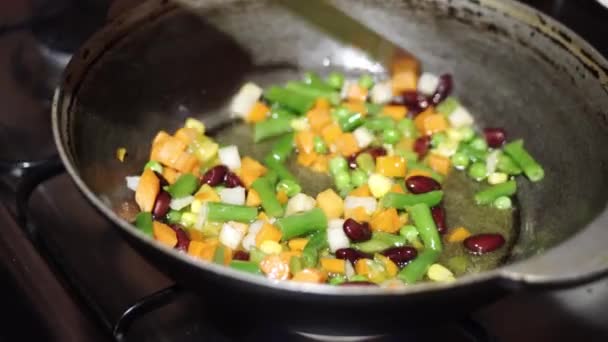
(69, 276)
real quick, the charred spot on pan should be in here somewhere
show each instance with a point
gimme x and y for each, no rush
(565, 36)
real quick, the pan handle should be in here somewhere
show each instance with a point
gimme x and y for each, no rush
(581, 259)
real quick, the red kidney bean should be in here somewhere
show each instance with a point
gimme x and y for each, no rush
(215, 175)
(351, 254)
(358, 283)
(240, 255)
(421, 184)
(408, 99)
(483, 243)
(183, 241)
(232, 180)
(443, 89)
(439, 217)
(356, 231)
(376, 152)
(161, 205)
(401, 255)
(495, 137)
(422, 146)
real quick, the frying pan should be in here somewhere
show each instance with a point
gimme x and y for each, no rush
(514, 67)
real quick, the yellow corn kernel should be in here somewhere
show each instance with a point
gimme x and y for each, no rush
(198, 125)
(331, 203)
(389, 265)
(271, 247)
(268, 233)
(459, 234)
(297, 244)
(379, 185)
(438, 272)
(391, 166)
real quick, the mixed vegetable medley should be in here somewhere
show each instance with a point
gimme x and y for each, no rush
(387, 144)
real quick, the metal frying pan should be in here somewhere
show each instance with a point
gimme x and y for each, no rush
(514, 67)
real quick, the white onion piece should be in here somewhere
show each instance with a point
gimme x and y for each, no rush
(363, 136)
(428, 83)
(180, 203)
(249, 240)
(230, 236)
(492, 161)
(336, 238)
(230, 157)
(382, 92)
(368, 203)
(243, 101)
(300, 203)
(234, 195)
(461, 117)
(132, 182)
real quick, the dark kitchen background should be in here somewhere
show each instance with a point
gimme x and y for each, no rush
(66, 275)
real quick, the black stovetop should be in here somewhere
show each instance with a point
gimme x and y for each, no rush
(105, 276)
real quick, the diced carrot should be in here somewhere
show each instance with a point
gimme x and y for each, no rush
(420, 118)
(405, 63)
(395, 112)
(322, 103)
(361, 267)
(310, 275)
(227, 255)
(170, 174)
(385, 221)
(418, 172)
(355, 92)
(282, 197)
(439, 163)
(318, 119)
(195, 248)
(358, 214)
(209, 249)
(250, 170)
(307, 159)
(305, 141)
(147, 190)
(207, 194)
(362, 191)
(167, 151)
(287, 255)
(164, 234)
(297, 244)
(321, 164)
(404, 81)
(397, 188)
(458, 234)
(333, 265)
(435, 123)
(257, 113)
(186, 135)
(389, 265)
(185, 162)
(195, 235)
(347, 144)
(274, 267)
(331, 133)
(391, 166)
(331, 203)
(160, 137)
(356, 106)
(268, 232)
(253, 198)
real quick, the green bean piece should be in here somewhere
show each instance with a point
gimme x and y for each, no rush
(310, 254)
(313, 80)
(358, 177)
(290, 99)
(489, 195)
(507, 165)
(365, 162)
(532, 169)
(223, 212)
(409, 232)
(467, 132)
(218, 255)
(302, 224)
(272, 177)
(415, 165)
(366, 81)
(143, 221)
(416, 269)
(438, 138)
(320, 146)
(358, 277)
(295, 264)
(447, 106)
(279, 168)
(391, 136)
(350, 123)
(473, 154)
(340, 113)
(154, 166)
(246, 266)
(290, 187)
(306, 90)
(271, 128)
(278, 112)
(407, 128)
(283, 147)
(270, 203)
(379, 124)
(337, 279)
(503, 203)
(460, 160)
(458, 264)
(256, 255)
(337, 164)
(478, 171)
(184, 186)
(379, 242)
(342, 180)
(402, 201)
(373, 108)
(174, 216)
(479, 144)
(423, 220)
(335, 80)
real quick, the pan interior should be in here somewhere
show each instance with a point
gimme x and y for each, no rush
(506, 73)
